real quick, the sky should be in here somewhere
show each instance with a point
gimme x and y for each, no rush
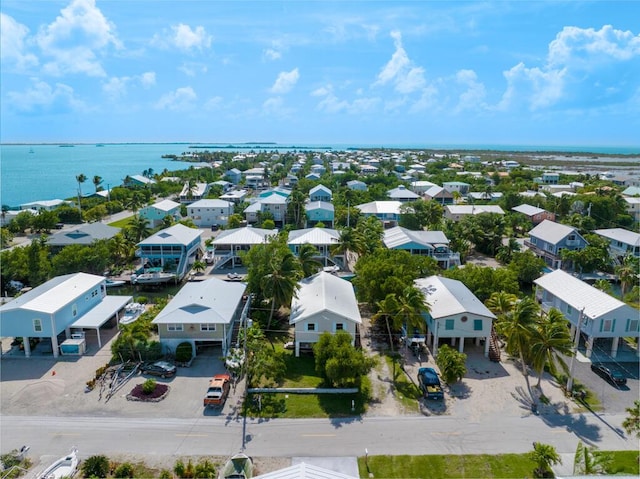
(321, 72)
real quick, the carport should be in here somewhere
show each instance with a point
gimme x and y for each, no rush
(95, 319)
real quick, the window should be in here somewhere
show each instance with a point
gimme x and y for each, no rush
(569, 309)
(207, 327)
(175, 327)
(339, 326)
(606, 325)
(448, 324)
(477, 325)
(311, 327)
(534, 241)
(572, 237)
(37, 325)
(632, 325)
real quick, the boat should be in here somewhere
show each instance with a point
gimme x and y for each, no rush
(156, 277)
(114, 283)
(240, 466)
(66, 466)
(132, 311)
(209, 256)
(233, 277)
(31, 150)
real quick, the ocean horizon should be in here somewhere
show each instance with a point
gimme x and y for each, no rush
(44, 171)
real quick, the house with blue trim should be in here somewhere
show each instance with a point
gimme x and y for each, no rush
(157, 212)
(386, 211)
(320, 212)
(423, 243)
(323, 239)
(622, 242)
(320, 193)
(549, 238)
(208, 212)
(173, 249)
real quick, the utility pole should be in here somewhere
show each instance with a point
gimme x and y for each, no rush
(575, 351)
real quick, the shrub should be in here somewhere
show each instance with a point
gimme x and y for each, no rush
(184, 352)
(95, 466)
(124, 470)
(205, 469)
(149, 386)
(165, 474)
(452, 364)
(142, 299)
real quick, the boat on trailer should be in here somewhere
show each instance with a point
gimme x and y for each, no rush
(156, 277)
(132, 311)
(240, 466)
(64, 467)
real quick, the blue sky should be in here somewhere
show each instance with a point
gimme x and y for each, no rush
(321, 72)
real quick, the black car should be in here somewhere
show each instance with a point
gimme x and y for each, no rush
(614, 377)
(163, 369)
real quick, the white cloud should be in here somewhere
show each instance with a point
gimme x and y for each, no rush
(533, 87)
(213, 103)
(285, 81)
(13, 37)
(183, 37)
(473, 98)
(427, 100)
(272, 54)
(400, 70)
(117, 87)
(42, 97)
(330, 103)
(148, 79)
(182, 99)
(192, 69)
(74, 39)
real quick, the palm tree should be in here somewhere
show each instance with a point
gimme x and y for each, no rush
(603, 285)
(545, 456)
(517, 329)
(388, 310)
(282, 283)
(96, 181)
(139, 228)
(589, 461)
(627, 273)
(350, 241)
(308, 262)
(411, 306)
(501, 304)
(81, 178)
(631, 423)
(199, 266)
(550, 340)
(505, 252)
(120, 248)
(134, 202)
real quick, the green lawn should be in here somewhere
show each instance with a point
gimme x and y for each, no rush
(121, 223)
(625, 462)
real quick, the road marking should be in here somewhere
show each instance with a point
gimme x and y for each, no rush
(67, 434)
(192, 435)
(318, 435)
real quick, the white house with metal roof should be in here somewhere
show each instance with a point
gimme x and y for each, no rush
(325, 303)
(202, 313)
(426, 243)
(385, 211)
(193, 192)
(402, 194)
(622, 242)
(454, 313)
(157, 212)
(51, 310)
(173, 249)
(208, 212)
(229, 243)
(323, 239)
(598, 314)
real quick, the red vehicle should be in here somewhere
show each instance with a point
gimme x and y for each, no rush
(218, 390)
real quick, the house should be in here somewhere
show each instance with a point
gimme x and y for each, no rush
(192, 193)
(455, 313)
(595, 313)
(550, 178)
(225, 185)
(319, 212)
(459, 186)
(357, 185)
(320, 193)
(235, 196)
(206, 213)
(325, 303)
(386, 211)
(548, 239)
(313, 176)
(274, 204)
(421, 186)
(51, 310)
(202, 313)
(44, 205)
(633, 207)
(137, 180)
(534, 214)
(631, 191)
(290, 180)
(157, 212)
(278, 190)
(402, 194)
(83, 234)
(439, 194)
(426, 243)
(234, 175)
(622, 242)
(323, 239)
(457, 212)
(229, 242)
(173, 249)
(484, 195)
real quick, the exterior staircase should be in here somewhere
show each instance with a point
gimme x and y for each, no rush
(494, 347)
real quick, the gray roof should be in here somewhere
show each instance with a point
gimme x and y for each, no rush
(402, 192)
(210, 203)
(448, 297)
(318, 188)
(528, 210)
(579, 294)
(398, 236)
(206, 302)
(304, 471)
(84, 234)
(474, 209)
(620, 234)
(319, 205)
(552, 232)
(176, 234)
(380, 207)
(165, 205)
(324, 292)
(314, 236)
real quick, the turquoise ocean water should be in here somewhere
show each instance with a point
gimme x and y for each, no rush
(44, 172)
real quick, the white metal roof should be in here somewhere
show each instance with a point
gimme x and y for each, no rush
(304, 471)
(244, 236)
(210, 203)
(398, 236)
(447, 297)
(402, 192)
(620, 234)
(552, 232)
(319, 205)
(325, 292)
(474, 209)
(579, 294)
(528, 210)
(317, 188)
(165, 205)
(380, 207)
(100, 314)
(55, 293)
(206, 302)
(314, 236)
(176, 234)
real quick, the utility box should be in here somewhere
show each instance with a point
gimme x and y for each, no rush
(73, 347)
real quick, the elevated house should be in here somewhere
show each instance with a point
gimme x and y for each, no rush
(325, 303)
(274, 203)
(402, 194)
(534, 214)
(457, 212)
(234, 196)
(596, 314)
(633, 207)
(83, 234)
(421, 186)
(320, 212)
(425, 243)
(229, 243)
(157, 212)
(454, 313)
(50, 311)
(206, 213)
(357, 185)
(459, 186)
(320, 193)
(323, 239)
(137, 181)
(172, 250)
(439, 194)
(622, 242)
(203, 314)
(192, 193)
(386, 211)
(234, 175)
(548, 239)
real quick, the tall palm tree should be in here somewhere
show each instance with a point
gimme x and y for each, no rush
(550, 340)
(627, 273)
(134, 202)
(388, 311)
(544, 455)
(411, 305)
(81, 178)
(307, 256)
(505, 252)
(139, 228)
(501, 303)
(517, 329)
(96, 181)
(281, 284)
(349, 242)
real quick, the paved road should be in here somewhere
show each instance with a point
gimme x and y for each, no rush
(311, 437)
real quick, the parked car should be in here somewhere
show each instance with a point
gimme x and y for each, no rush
(430, 383)
(218, 390)
(614, 377)
(163, 369)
